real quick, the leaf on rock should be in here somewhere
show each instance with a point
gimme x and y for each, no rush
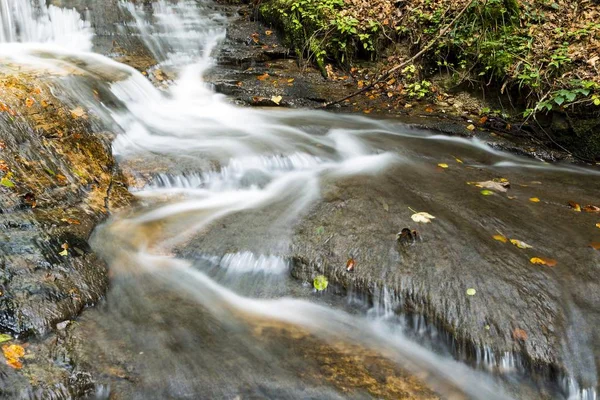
(519, 334)
(5, 338)
(471, 127)
(486, 192)
(543, 261)
(320, 283)
(350, 264)
(534, 200)
(458, 160)
(595, 245)
(591, 209)
(13, 354)
(520, 244)
(78, 112)
(501, 187)
(471, 292)
(443, 165)
(422, 217)
(575, 206)
(6, 182)
(29, 102)
(276, 99)
(500, 238)
(268, 33)
(263, 77)
(598, 225)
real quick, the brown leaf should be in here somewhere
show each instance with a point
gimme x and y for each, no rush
(543, 261)
(350, 265)
(591, 209)
(595, 245)
(483, 120)
(29, 102)
(263, 77)
(575, 206)
(519, 334)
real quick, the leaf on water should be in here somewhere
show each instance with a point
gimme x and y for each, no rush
(13, 354)
(543, 261)
(5, 338)
(500, 238)
(486, 192)
(276, 99)
(595, 245)
(471, 292)
(501, 187)
(591, 209)
(263, 77)
(534, 200)
(422, 217)
(443, 165)
(6, 182)
(350, 265)
(519, 334)
(520, 244)
(575, 206)
(320, 283)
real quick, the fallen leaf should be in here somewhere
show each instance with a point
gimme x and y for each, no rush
(422, 217)
(483, 120)
(5, 338)
(13, 354)
(29, 102)
(6, 182)
(498, 186)
(71, 221)
(486, 192)
(443, 165)
(320, 283)
(428, 109)
(595, 245)
(471, 127)
(276, 99)
(591, 209)
(520, 244)
(263, 77)
(291, 80)
(598, 225)
(471, 292)
(458, 160)
(575, 206)
(519, 334)
(268, 33)
(534, 200)
(350, 265)
(500, 238)
(543, 261)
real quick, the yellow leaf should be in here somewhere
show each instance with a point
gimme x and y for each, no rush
(520, 244)
(29, 102)
(534, 200)
(458, 160)
(598, 225)
(471, 127)
(268, 33)
(291, 80)
(443, 165)
(575, 206)
(543, 261)
(276, 99)
(64, 253)
(500, 238)
(13, 353)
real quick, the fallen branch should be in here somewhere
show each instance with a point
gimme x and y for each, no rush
(403, 64)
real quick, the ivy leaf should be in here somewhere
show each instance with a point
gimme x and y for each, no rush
(559, 100)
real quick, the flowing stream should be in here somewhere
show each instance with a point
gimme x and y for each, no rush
(219, 322)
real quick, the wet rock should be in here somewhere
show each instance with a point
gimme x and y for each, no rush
(63, 165)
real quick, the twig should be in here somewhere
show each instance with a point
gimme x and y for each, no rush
(403, 64)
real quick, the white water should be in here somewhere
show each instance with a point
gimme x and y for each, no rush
(264, 162)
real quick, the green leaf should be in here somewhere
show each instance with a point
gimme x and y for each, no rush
(597, 102)
(320, 283)
(486, 192)
(320, 230)
(6, 182)
(471, 292)
(559, 100)
(570, 96)
(5, 338)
